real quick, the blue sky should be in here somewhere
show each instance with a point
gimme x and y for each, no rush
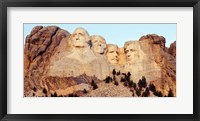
(118, 33)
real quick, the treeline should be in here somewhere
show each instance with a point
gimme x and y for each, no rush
(141, 89)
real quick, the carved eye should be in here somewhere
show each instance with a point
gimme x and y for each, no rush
(126, 51)
(100, 41)
(74, 34)
(82, 34)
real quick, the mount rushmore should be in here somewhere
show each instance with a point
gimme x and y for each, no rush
(60, 63)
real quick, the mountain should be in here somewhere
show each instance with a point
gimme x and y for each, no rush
(53, 66)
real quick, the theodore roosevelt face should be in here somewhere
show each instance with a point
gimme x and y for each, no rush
(111, 53)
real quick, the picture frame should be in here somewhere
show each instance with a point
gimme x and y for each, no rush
(4, 4)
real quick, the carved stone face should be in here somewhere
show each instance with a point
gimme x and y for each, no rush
(98, 44)
(111, 53)
(132, 53)
(80, 38)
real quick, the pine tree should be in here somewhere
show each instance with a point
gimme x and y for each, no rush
(122, 79)
(170, 94)
(152, 87)
(108, 79)
(133, 94)
(129, 74)
(131, 90)
(92, 82)
(146, 93)
(138, 92)
(118, 73)
(147, 90)
(158, 93)
(127, 78)
(55, 94)
(116, 83)
(131, 84)
(125, 83)
(95, 86)
(75, 95)
(134, 85)
(71, 95)
(114, 78)
(140, 84)
(114, 72)
(34, 89)
(144, 83)
(44, 91)
(84, 91)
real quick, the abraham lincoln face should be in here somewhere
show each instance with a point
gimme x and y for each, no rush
(133, 52)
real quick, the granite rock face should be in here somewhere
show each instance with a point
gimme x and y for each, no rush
(40, 45)
(74, 61)
(172, 49)
(53, 62)
(165, 62)
(155, 39)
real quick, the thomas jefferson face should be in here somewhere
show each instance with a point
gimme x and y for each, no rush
(98, 44)
(112, 54)
(80, 38)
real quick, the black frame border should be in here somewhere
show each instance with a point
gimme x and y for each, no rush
(99, 3)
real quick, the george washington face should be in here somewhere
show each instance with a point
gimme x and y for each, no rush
(80, 38)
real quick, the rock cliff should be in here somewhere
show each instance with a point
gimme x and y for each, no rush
(40, 45)
(172, 49)
(59, 63)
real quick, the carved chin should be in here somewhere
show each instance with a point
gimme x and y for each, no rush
(130, 61)
(100, 51)
(78, 44)
(113, 61)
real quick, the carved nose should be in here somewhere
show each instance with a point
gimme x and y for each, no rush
(77, 37)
